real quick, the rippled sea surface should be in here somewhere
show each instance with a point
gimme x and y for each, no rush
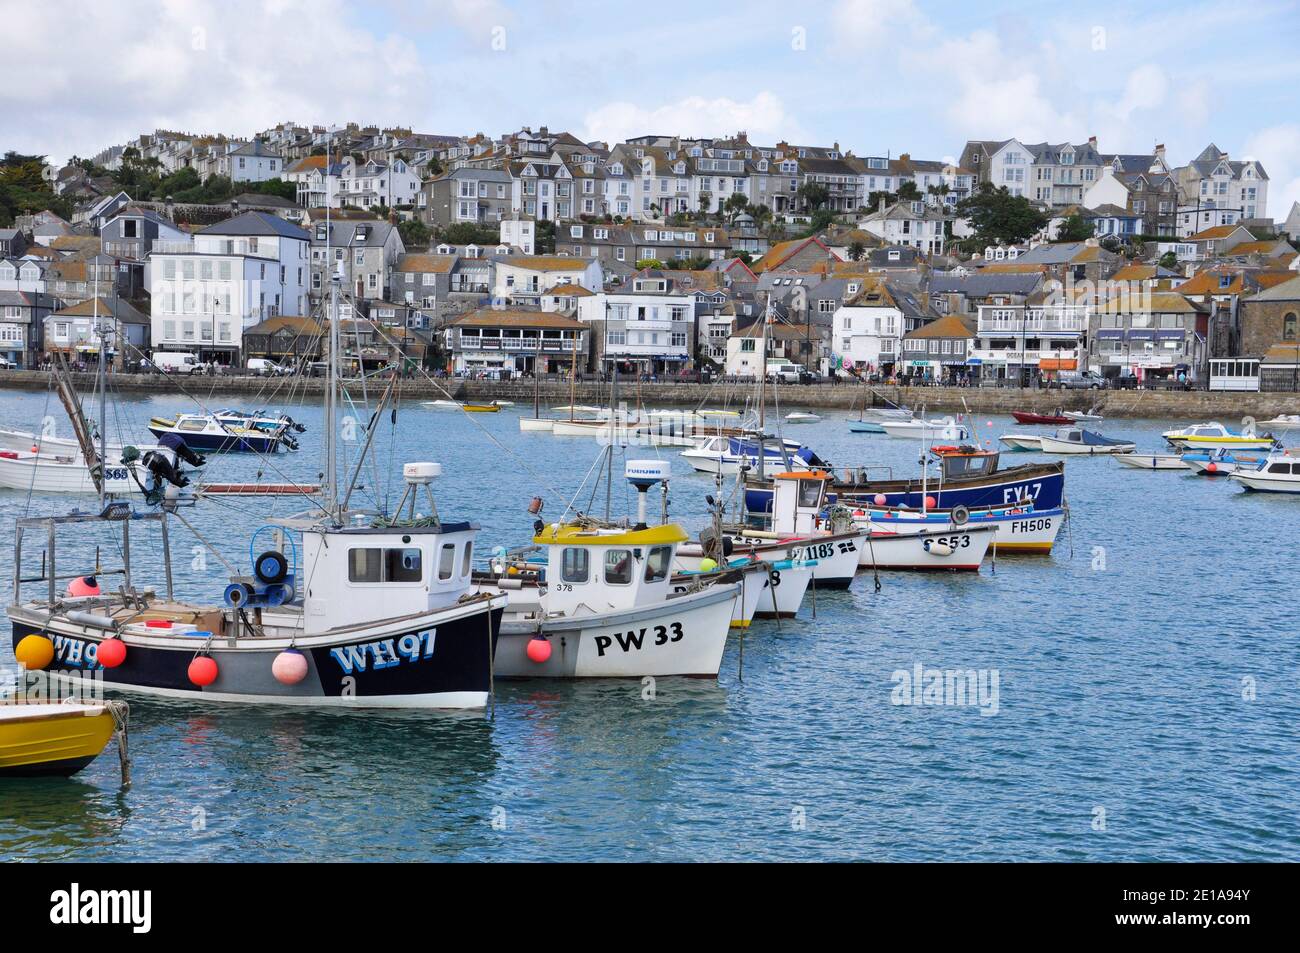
(1147, 708)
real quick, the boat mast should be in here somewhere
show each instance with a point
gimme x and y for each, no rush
(609, 463)
(331, 399)
(99, 375)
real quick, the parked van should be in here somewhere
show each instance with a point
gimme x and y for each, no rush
(263, 367)
(176, 362)
(786, 372)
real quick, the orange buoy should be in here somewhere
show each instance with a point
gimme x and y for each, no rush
(111, 653)
(539, 649)
(34, 652)
(203, 671)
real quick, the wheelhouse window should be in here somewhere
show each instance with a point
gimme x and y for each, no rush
(446, 561)
(810, 493)
(575, 565)
(658, 563)
(618, 567)
(467, 559)
(384, 565)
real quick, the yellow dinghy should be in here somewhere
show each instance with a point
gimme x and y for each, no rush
(480, 408)
(54, 739)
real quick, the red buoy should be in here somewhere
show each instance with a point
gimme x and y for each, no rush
(539, 649)
(929, 502)
(1211, 467)
(112, 653)
(84, 586)
(881, 499)
(203, 671)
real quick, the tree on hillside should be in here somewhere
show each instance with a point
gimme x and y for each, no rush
(23, 189)
(1074, 228)
(857, 250)
(998, 217)
(734, 205)
(813, 195)
(907, 191)
(415, 234)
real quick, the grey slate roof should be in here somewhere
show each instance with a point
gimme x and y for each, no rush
(980, 285)
(257, 223)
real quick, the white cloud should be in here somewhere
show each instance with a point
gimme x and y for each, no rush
(764, 117)
(77, 83)
(1278, 150)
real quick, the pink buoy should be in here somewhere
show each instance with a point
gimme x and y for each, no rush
(289, 667)
(83, 586)
(881, 499)
(111, 653)
(203, 671)
(539, 649)
(1211, 467)
(929, 503)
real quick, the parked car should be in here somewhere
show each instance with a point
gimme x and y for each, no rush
(7, 365)
(262, 367)
(176, 362)
(1080, 380)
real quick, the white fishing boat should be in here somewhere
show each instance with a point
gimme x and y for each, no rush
(1215, 436)
(1283, 422)
(1076, 440)
(1022, 441)
(1151, 461)
(801, 418)
(1276, 473)
(441, 404)
(767, 590)
(608, 608)
(953, 550)
(40, 443)
(945, 429)
(69, 473)
(378, 613)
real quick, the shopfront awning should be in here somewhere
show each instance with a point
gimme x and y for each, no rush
(1058, 364)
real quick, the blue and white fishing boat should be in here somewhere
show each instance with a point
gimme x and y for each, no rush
(727, 455)
(211, 432)
(1076, 440)
(1221, 462)
(1023, 528)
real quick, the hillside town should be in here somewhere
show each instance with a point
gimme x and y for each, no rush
(536, 253)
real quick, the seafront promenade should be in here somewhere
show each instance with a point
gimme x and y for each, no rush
(1193, 404)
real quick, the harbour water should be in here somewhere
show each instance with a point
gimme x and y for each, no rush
(1146, 703)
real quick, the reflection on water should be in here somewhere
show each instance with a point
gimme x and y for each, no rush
(1121, 688)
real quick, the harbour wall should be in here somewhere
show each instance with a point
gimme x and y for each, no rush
(1198, 405)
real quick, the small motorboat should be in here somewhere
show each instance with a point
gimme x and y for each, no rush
(1276, 473)
(503, 403)
(1079, 441)
(442, 404)
(1283, 422)
(866, 426)
(946, 429)
(1022, 441)
(210, 432)
(1220, 462)
(1215, 436)
(1027, 417)
(48, 738)
(457, 405)
(801, 418)
(1151, 461)
(1082, 415)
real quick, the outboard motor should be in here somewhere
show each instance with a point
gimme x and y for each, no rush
(177, 444)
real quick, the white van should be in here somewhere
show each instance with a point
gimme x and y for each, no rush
(262, 367)
(176, 362)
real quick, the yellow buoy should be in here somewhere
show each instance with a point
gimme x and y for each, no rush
(34, 652)
(707, 565)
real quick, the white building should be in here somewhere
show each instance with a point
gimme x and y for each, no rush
(375, 183)
(520, 233)
(918, 224)
(230, 276)
(522, 280)
(251, 162)
(649, 329)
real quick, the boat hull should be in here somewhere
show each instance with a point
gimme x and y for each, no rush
(1042, 484)
(957, 550)
(1021, 442)
(1023, 417)
(42, 474)
(1053, 445)
(536, 424)
(834, 558)
(685, 635)
(224, 442)
(440, 661)
(52, 739)
(865, 426)
(1263, 482)
(1026, 532)
(1151, 461)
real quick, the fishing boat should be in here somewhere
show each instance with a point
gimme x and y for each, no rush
(1029, 417)
(727, 455)
(1220, 462)
(55, 738)
(1283, 422)
(605, 605)
(1020, 529)
(801, 418)
(1276, 473)
(946, 429)
(1151, 461)
(1022, 441)
(458, 405)
(1076, 440)
(42, 443)
(795, 530)
(1215, 436)
(952, 550)
(378, 612)
(207, 432)
(968, 476)
(760, 582)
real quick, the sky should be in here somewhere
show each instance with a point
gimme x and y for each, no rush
(877, 76)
